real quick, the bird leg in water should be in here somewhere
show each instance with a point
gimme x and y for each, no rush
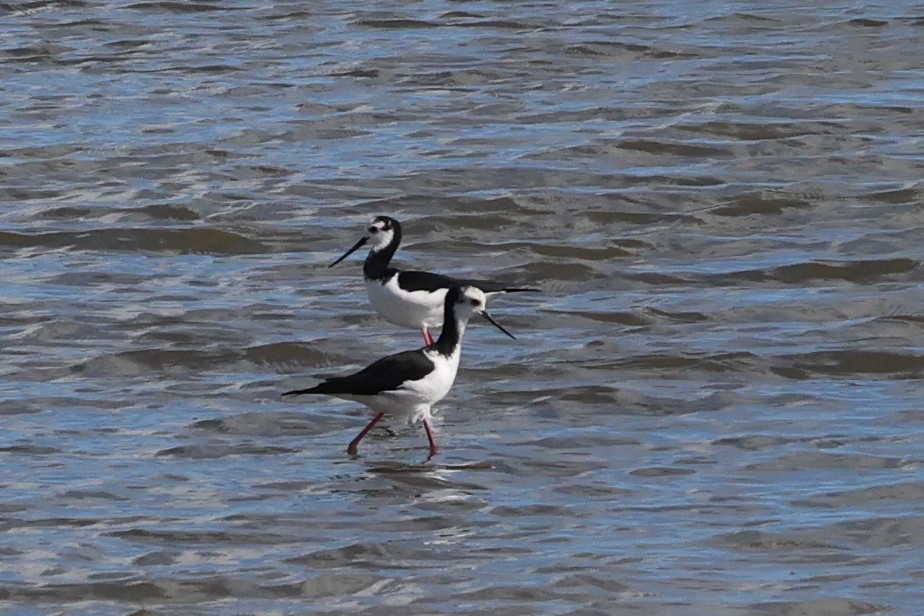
(433, 448)
(427, 337)
(352, 448)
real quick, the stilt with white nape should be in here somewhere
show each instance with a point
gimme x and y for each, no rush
(408, 384)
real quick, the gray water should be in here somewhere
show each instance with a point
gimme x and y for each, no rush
(713, 407)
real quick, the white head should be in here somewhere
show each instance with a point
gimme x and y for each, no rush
(470, 301)
(381, 232)
(467, 301)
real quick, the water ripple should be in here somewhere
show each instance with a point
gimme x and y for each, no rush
(711, 406)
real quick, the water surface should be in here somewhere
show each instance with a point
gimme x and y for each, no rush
(713, 407)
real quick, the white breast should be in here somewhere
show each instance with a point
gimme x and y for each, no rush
(415, 309)
(437, 384)
(433, 387)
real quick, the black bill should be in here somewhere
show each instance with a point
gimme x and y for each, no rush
(355, 247)
(496, 324)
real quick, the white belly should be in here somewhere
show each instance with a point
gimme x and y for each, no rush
(417, 309)
(403, 404)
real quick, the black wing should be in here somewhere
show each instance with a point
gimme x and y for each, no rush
(424, 281)
(428, 281)
(386, 374)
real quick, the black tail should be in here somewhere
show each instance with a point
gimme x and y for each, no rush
(320, 388)
(333, 385)
(298, 392)
(521, 290)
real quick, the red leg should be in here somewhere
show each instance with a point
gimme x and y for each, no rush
(352, 448)
(427, 337)
(433, 448)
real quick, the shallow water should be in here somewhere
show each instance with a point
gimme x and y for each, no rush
(713, 407)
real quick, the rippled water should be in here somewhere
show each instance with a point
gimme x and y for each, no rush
(714, 407)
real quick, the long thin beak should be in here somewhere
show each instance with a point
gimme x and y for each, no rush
(355, 247)
(485, 314)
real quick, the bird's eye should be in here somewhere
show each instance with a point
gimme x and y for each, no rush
(475, 302)
(373, 229)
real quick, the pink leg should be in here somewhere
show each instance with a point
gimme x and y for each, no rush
(352, 448)
(433, 448)
(427, 337)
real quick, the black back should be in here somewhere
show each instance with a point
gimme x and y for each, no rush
(428, 281)
(423, 281)
(386, 374)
